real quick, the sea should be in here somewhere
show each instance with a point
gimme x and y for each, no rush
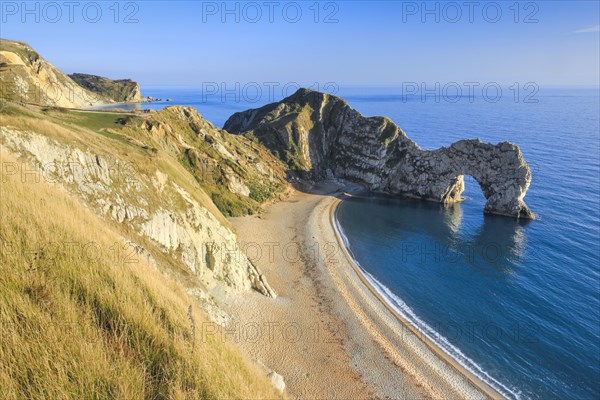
(515, 302)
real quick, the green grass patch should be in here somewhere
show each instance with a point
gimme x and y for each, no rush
(96, 120)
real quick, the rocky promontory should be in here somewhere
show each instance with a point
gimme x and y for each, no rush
(120, 91)
(26, 77)
(320, 136)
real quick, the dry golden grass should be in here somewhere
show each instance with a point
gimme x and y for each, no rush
(59, 126)
(79, 320)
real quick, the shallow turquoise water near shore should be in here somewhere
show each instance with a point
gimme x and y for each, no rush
(516, 301)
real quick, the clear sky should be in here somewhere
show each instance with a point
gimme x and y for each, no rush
(348, 42)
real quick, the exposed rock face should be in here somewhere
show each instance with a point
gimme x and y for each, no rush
(26, 77)
(321, 136)
(238, 174)
(121, 91)
(179, 224)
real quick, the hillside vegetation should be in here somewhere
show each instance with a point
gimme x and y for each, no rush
(132, 169)
(239, 174)
(115, 243)
(103, 324)
(27, 77)
(105, 248)
(121, 90)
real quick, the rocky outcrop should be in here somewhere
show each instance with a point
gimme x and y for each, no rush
(120, 91)
(26, 77)
(321, 136)
(238, 174)
(152, 206)
(277, 381)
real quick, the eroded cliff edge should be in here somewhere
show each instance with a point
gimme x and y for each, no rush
(26, 77)
(120, 90)
(153, 176)
(320, 136)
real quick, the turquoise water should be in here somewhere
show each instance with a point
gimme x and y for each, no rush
(516, 302)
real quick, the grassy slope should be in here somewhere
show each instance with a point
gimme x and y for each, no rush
(45, 85)
(91, 130)
(91, 324)
(206, 164)
(210, 168)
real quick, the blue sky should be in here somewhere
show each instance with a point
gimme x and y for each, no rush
(348, 42)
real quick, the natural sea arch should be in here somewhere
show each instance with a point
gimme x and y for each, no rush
(323, 138)
(438, 175)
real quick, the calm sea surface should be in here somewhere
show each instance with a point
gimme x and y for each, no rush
(516, 302)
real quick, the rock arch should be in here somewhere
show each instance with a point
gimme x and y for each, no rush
(500, 170)
(323, 137)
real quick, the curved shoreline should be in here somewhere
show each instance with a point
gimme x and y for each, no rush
(362, 350)
(488, 390)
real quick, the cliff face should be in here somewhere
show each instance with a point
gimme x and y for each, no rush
(121, 91)
(76, 297)
(321, 136)
(167, 178)
(237, 173)
(130, 170)
(26, 77)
